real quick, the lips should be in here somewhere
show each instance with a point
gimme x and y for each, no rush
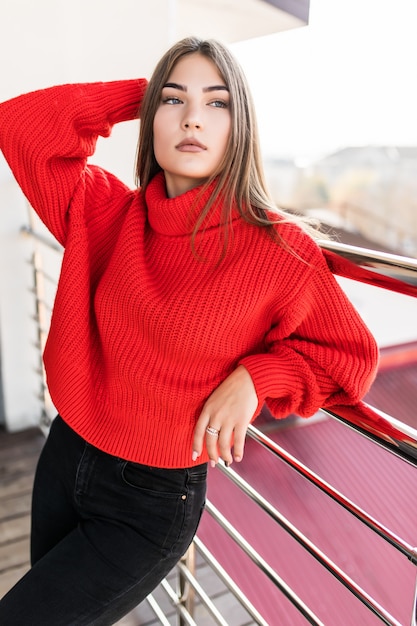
(190, 145)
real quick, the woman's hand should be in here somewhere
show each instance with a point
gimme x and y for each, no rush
(228, 412)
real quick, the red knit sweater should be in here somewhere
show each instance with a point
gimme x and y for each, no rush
(142, 331)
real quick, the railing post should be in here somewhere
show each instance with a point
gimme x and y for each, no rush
(186, 593)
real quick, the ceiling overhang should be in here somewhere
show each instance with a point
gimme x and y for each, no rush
(238, 20)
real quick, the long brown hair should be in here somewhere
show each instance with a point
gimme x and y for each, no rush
(240, 176)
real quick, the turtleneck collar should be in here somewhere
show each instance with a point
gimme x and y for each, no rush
(177, 216)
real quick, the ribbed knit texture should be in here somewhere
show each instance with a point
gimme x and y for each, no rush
(142, 330)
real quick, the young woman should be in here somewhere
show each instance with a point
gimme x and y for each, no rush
(183, 306)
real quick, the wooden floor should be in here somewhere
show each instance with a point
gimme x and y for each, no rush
(18, 456)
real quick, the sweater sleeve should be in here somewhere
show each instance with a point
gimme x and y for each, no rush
(46, 137)
(321, 354)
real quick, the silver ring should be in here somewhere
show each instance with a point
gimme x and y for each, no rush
(212, 431)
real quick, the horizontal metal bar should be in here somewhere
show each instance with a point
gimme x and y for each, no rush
(393, 265)
(157, 610)
(229, 582)
(405, 548)
(388, 432)
(50, 243)
(210, 606)
(43, 303)
(47, 277)
(322, 558)
(181, 610)
(384, 263)
(370, 256)
(263, 565)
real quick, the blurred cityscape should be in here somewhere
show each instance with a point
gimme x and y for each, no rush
(361, 193)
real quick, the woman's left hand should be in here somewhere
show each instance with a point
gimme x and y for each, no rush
(228, 412)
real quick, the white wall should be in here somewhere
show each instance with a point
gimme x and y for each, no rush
(18, 332)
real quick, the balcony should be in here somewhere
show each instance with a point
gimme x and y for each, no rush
(317, 524)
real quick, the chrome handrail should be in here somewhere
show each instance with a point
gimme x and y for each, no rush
(388, 432)
(390, 265)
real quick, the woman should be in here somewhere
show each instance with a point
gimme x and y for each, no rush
(183, 306)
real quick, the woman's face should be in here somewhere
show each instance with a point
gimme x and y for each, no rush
(192, 124)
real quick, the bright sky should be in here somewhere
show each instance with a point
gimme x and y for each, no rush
(349, 78)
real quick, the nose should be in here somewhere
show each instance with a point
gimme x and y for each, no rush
(192, 120)
(192, 124)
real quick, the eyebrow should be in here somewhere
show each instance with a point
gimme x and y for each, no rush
(205, 89)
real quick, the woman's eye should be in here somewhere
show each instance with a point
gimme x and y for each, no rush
(171, 100)
(221, 104)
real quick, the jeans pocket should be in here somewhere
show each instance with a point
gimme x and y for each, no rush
(168, 482)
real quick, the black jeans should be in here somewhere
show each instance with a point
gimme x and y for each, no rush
(105, 532)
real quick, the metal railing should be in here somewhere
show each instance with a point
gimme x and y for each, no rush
(183, 589)
(43, 298)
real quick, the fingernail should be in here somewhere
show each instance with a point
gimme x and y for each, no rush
(213, 463)
(238, 458)
(194, 455)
